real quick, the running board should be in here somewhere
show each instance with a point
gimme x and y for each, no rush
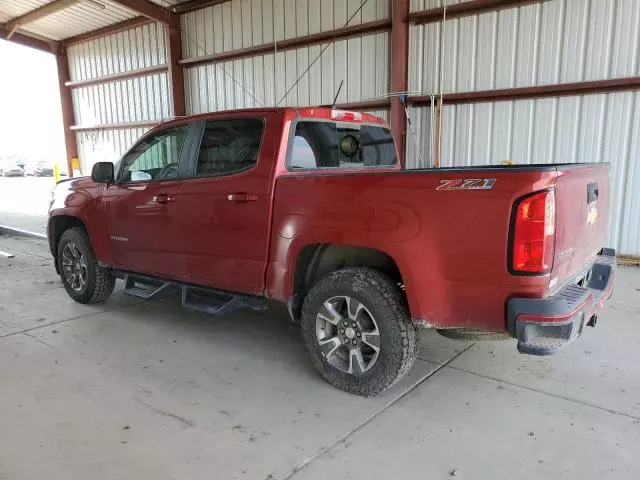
(143, 287)
(214, 302)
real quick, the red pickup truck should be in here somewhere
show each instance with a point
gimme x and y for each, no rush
(310, 207)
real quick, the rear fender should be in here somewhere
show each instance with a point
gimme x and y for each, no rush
(287, 252)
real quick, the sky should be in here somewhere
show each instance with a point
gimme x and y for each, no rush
(30, 112)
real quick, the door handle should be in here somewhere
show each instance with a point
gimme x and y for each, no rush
(241, 197)
(163, 198)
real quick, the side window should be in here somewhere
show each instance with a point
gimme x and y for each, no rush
(155, 158)
(229, 146)
(341, 145)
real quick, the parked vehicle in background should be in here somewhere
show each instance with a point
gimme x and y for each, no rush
(12, 170)
(309, 206)
(40, 169)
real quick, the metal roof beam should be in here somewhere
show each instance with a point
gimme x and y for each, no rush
(151, 10)
(466, 8)
(192, 5)
(40, 12)
(39, 43)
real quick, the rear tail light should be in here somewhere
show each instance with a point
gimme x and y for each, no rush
(533, 233)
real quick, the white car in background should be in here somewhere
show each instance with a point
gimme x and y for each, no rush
(40, 169)
(12, 170)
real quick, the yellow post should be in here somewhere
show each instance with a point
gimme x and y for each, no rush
(75, 165)
(56, 172)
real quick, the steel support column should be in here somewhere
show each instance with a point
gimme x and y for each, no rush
(399, 71)
(176, 75)
(67, 108)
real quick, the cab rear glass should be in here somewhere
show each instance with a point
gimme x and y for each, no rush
(322, 144)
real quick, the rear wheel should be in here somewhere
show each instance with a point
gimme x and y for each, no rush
(358, 330)
(84, 280)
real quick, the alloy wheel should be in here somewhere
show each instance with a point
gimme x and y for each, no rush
(74, 267)
(347, 334)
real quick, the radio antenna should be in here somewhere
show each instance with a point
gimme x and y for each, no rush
(335, 99)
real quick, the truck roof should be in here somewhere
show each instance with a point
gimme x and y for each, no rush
(321, 113)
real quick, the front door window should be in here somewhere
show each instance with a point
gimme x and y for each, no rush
(155, 158)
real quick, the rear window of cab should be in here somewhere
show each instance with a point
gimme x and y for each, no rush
(344, 145)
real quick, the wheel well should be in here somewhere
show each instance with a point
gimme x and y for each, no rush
(315, 261)
(57, 226)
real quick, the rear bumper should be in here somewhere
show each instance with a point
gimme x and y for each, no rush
(543, 326)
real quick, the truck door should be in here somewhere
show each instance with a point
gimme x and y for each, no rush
(142, 207)
(225, 211)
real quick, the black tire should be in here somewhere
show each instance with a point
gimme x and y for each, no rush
(99, 280)
(397, 334)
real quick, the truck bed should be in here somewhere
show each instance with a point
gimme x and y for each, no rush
(450, 244)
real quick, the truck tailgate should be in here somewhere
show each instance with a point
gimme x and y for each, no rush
(582, 208)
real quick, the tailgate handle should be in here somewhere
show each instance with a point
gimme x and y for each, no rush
(592, 192)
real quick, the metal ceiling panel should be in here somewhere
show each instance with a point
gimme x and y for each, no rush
(16, 8)
(79, 18)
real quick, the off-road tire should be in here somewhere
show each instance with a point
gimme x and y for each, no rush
(100, 281)
(398, 335)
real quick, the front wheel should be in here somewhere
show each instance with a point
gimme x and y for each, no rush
(84, 280)
(357, 328)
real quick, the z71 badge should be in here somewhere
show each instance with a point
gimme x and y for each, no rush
(467, 184)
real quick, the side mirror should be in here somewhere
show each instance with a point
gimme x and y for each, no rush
(102, 172)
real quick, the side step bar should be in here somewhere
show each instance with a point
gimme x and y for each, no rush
(196, 299)
(143, 287)
(216, 303)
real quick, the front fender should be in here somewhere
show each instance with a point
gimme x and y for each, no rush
(78, 203)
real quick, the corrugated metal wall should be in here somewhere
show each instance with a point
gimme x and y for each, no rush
(246, 23)
(558, 41)
(363, 62)
(139, 99)
(130, 100)
(105, 145)
(132, 49)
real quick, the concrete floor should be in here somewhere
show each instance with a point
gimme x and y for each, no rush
(146, 390)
